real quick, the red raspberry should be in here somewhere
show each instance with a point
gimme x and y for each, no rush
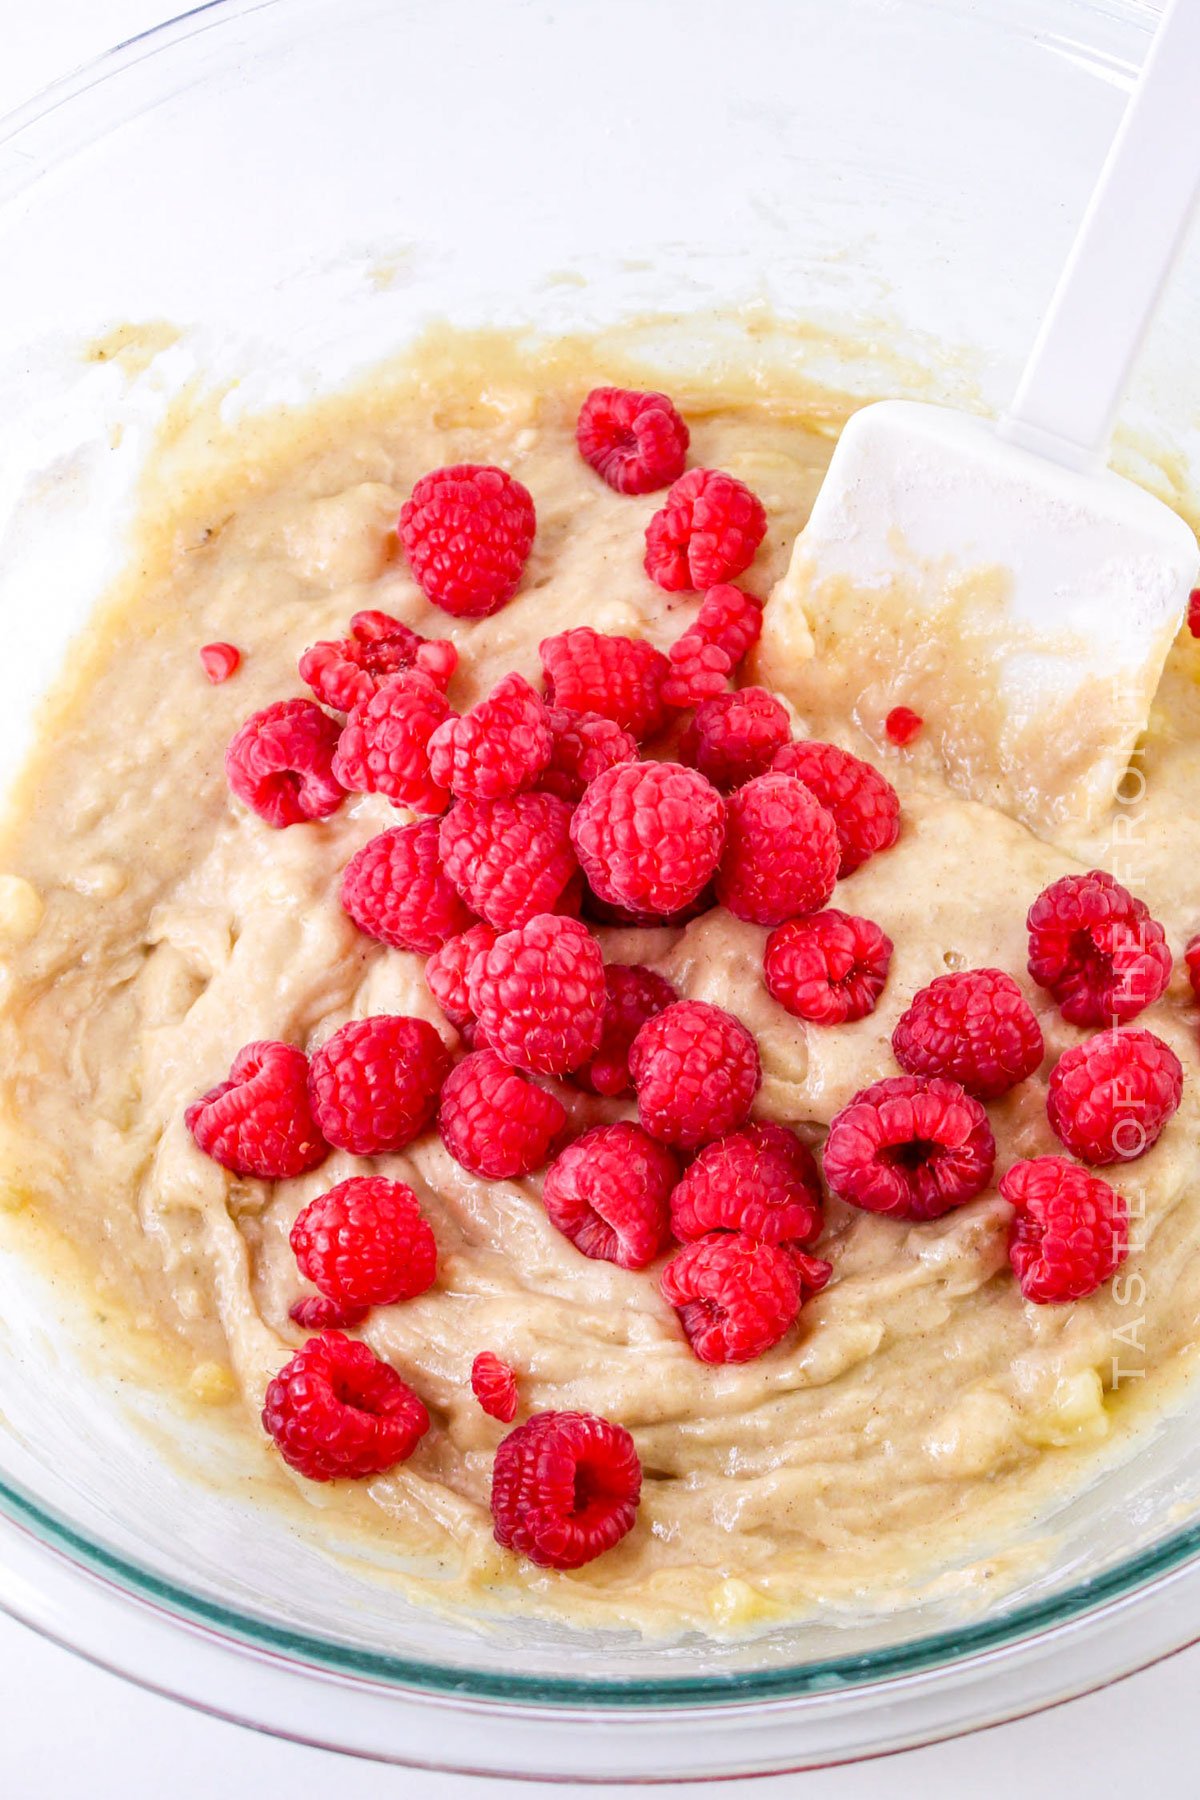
(584, 744)
(1191, 957)
(313, 1312)
(609, 1192)
(565, 1488)
(495, 1387)
(633, 994)
(395, 890)
(499, 747)
(467, 532)
(220, 661)
(384, 746)
(865, 807)
(696, 1070)
(495, 1122)
(374, 1083)
(365, 1243)
(761, 1181)
(735, 1296)
(1071, 1230)
(347, 673)
(705, 532)
(447, 970)
(728, 624)
(338, 1413)
(635, 442)
(281, 763)
(910, 1148)
(259, 1122)
(976, 1027)
(781, 852)
(903, 725)
(1096, 949)
(619, 677)
(1193, 612)
(733, 737)
(538, 994)
(509, 859)
(648, 836)
(829, 968)
(1110, 1097)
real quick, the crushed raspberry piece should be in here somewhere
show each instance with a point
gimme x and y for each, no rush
(467, 532)
(829, 968)
(538, 994)
(348, 672)
(910, 1148)
(495, 1387)
(903, 725)
(220, 661)
(975, 1026)
(781, 852)
(384, 746)
(633, 994)
(1094, 946)
(280, 763)
(509, 859)
(447, 970)
(734, 736)
(635, 442)
(496, 1122)
(865, 806)
(395, 890)
(1110, 1097)
(336, 1412)
(761, 1181)
(565, 1488)
(705, 532)
(1193, 612)
(1071, 1230)
(648, 836)
(365, 1243)
(702, 660)
(619, 677)
(736, 1297)
(583, 745)
(696, 1071)
(609, 1192)
(313, 1312)
(374, 1083)
(499, 747)
(259, 1121)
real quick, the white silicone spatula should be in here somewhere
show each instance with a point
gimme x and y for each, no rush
(1079, 577)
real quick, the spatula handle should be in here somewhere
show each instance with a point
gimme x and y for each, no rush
(1068, 396)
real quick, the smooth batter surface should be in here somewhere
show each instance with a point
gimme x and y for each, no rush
(921, 1412)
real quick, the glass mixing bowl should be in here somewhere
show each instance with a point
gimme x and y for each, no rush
(296, 187)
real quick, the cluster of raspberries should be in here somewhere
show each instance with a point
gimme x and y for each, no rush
(539, 817)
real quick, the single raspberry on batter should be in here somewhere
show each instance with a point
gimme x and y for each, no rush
(734, 736)
(610, 1191)
(494, 1385)
(696, 1070)
(829, 968)
(736, 1297)
(313, 1312)
(395, 890)
(583, 745)
(374, 1084)
(467, 532)
(975, 1026)
(259, 1121)
(618, 677)
(903, 725)
(1191, 957)
(365, 1243)
(865, 807)
(761, 1181)
(509, 859)
(702, 660)
(1094, 946)
(1071, 1230)
(496, 1122)
(781, 852)
(336, 1412)
(633, 994)
(910, 1148)
(538, 994)
(347, 672)
(220, 661)
(1193, 612)
(447, 970)
(635, 442)
(1110, 1097)
(565, 1488)
(384, 747)
(281, 763)
(705, 532)
(648, 835)
(499, 747)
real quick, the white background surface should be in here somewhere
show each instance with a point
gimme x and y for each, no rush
(69, 1729)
